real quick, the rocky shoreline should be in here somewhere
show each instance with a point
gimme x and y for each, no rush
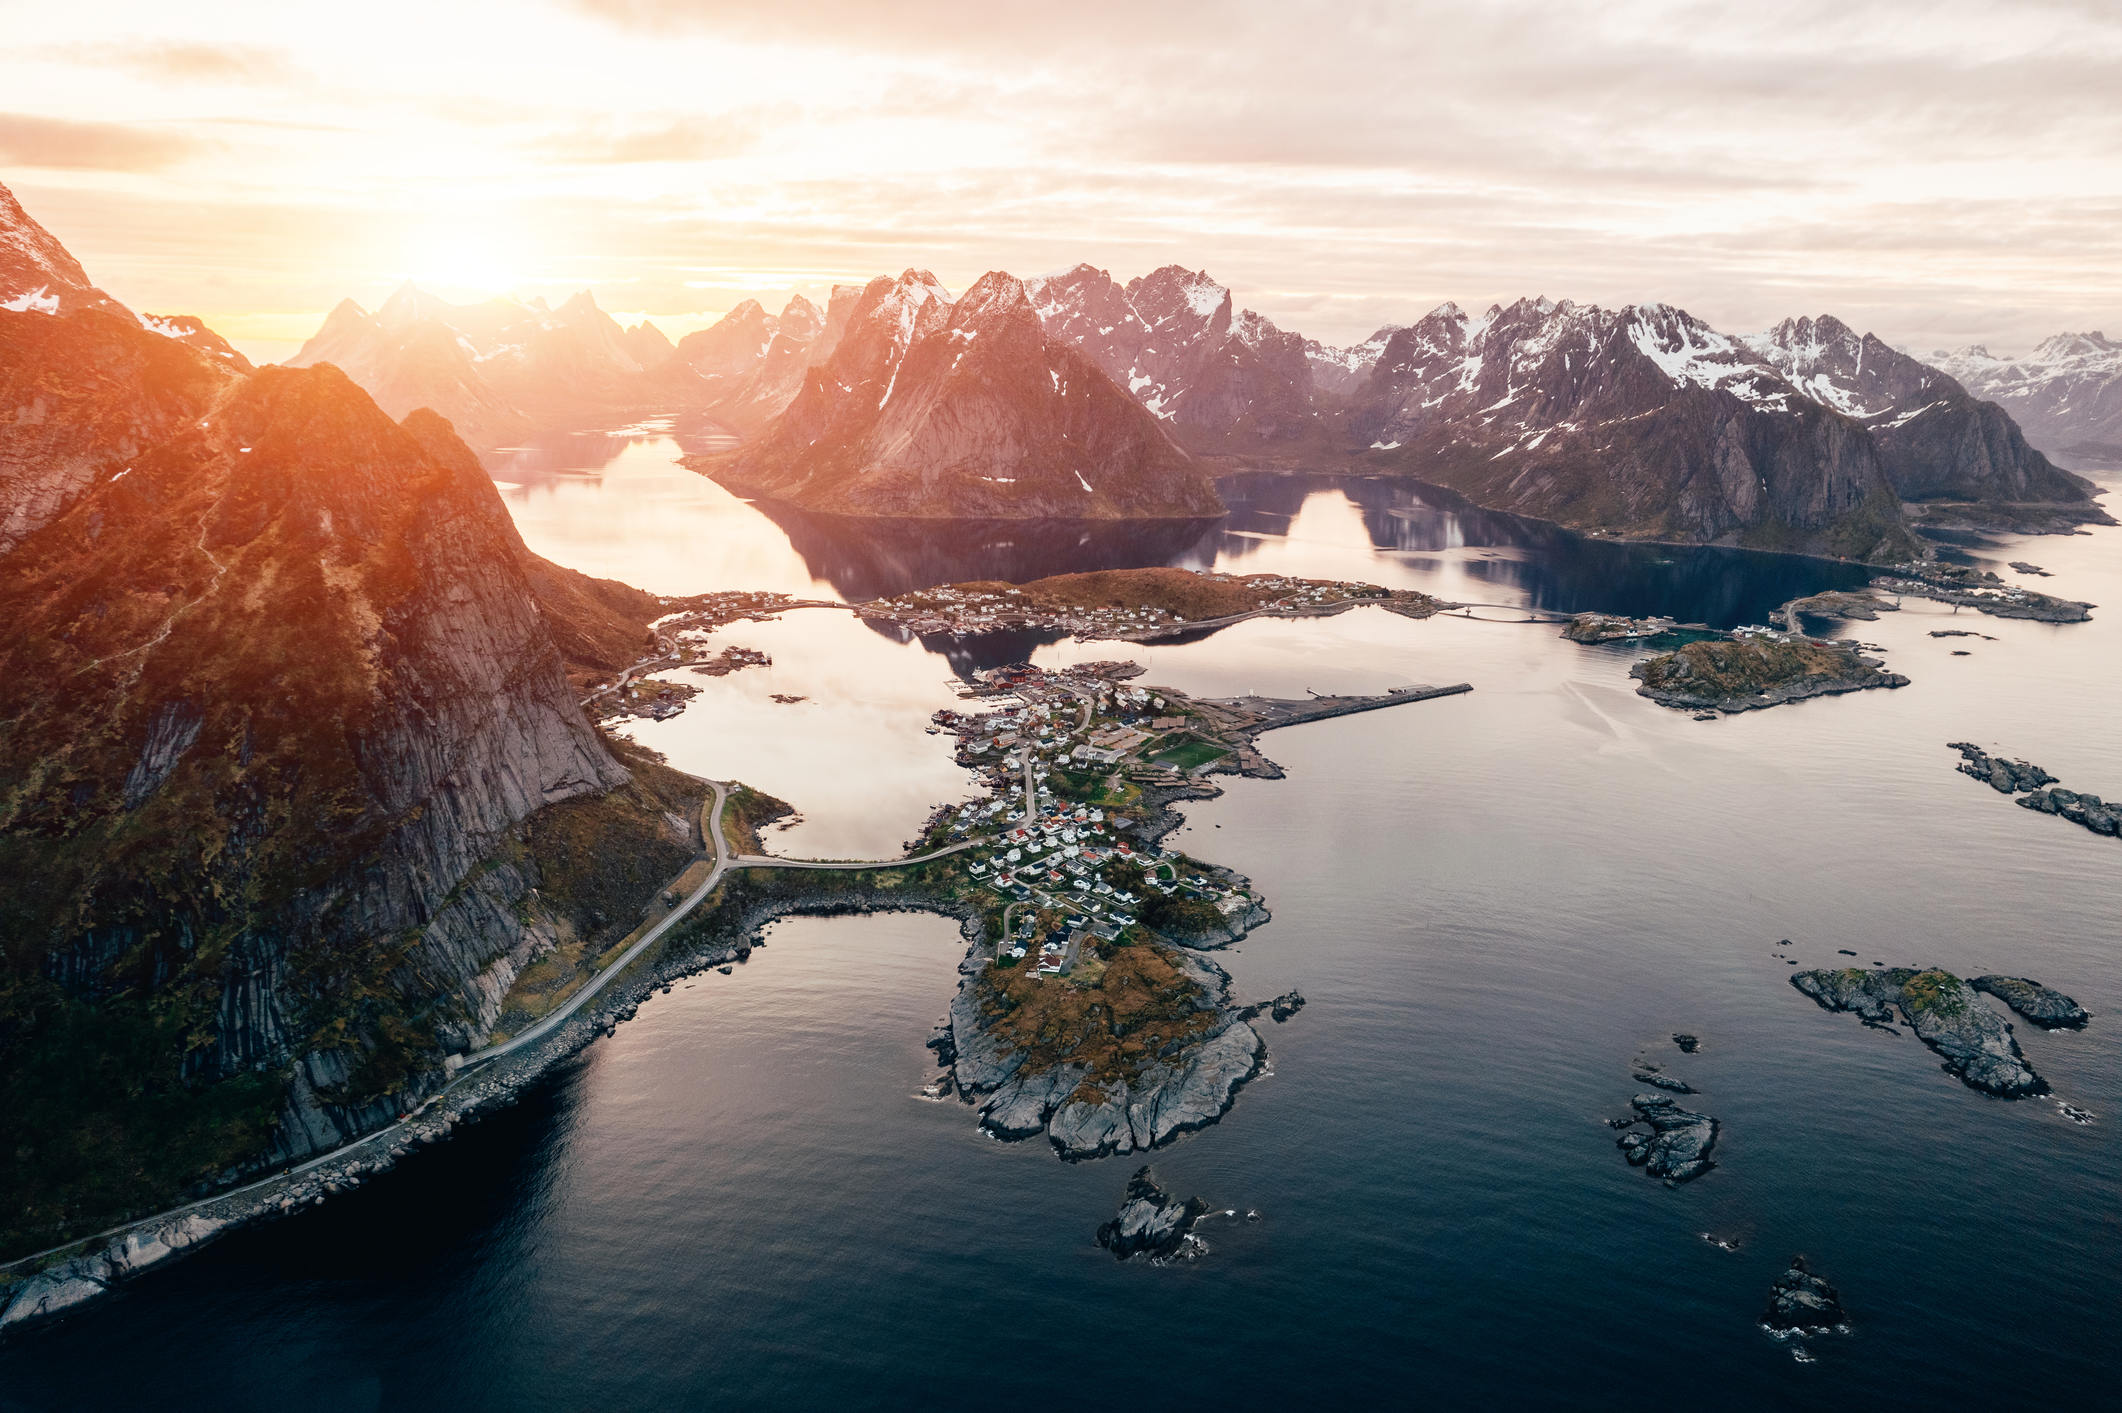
(37, 1288)
(1967, 587)
(1752, 672)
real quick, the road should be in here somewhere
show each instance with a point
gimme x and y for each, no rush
(771, 861)
(711, 826)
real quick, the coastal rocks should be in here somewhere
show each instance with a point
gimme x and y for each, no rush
(1754, 671)
(2004, 776)
(1677, 1146)
(2094, 813)
(1801, 1303)
(1965, 586)
(1688, 1044)
(2037, 789)
(1975, 1043)
(1614, 628)
(2044, 1006)
(1663, 1081)
(85, 1276)
(1835, 603)
(1151, 1222)
(1186, 1083)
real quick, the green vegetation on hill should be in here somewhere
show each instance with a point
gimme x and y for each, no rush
(1112, 1017)
(1744, 667)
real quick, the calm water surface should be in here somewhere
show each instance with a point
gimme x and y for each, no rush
(1494, 902)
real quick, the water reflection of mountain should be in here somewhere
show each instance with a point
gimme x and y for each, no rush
(586, 453)
(1550, 567)
(865, 559)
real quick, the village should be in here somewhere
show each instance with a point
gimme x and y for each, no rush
(1133, 605)
(1067, 757)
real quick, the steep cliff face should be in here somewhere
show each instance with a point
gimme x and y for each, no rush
(1936, 442)
(1642, 421)
(964, 410)
(280, 703)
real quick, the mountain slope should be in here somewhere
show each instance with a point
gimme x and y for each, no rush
(969, 410)
(1225, 381)
(280, 714)
(1936, 442)
(1642, 421)
(2066, 395)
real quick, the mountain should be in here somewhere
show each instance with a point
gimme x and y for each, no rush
(2066, 394)
(1642, 421)
(753, 362)
(1937, 443)
(970, 409)
(284, 740)
(1227, 382)
(501, 370)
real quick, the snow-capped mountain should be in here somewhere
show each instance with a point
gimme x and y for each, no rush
(501, 369)
(753, 362)
(1643, 420)
(1936, 441)
(1224, 380)
(964, 409)
(2066, 395)
(38, 275)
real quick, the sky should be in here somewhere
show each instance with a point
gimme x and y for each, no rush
(1942, 172)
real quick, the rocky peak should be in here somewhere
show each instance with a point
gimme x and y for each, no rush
(800, 319)
(1180, 303)
(38, 275)
(1860, 375)
(732, 344)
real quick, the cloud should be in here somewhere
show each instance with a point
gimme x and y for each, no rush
(676, 139)
(186, 62)
(27, 141)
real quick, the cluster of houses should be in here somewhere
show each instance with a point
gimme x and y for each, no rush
(957, 610)
(1056, 856)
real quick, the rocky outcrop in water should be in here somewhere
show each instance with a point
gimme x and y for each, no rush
(1802, 1303)
(1677, 1143)
(1975, 1042)
(2037, 789)
(1151, 1222)
(2043, 1005)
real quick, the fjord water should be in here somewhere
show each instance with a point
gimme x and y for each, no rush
(1494, 902)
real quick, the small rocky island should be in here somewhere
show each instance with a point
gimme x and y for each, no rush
(2037, 789)
(1152, 1223)
(1134, 604)
(1756, 670)
(1965, 586)
(1947, 1015)
(1676, 1144)
(1801, 1303)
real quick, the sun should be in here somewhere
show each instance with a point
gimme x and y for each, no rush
(465, 260)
